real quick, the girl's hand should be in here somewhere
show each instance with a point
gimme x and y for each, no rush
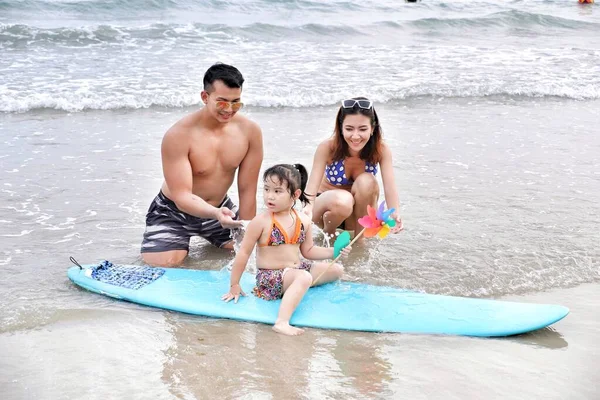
(399, 226)
(346, 251)
(234, 293)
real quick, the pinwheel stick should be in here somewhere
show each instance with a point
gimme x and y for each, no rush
(337, 258)
(374, 223)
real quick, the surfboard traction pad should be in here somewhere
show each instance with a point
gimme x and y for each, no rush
(130, 277)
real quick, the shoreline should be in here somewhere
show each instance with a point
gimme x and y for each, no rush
(503, 99)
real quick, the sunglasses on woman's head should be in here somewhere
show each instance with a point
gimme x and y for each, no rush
(364, 104)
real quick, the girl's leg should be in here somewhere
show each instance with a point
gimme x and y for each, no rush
(332, 208)
(295, 284)
(332, 274)
(366, 192)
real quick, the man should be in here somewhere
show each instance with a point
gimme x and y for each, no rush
(200, 156)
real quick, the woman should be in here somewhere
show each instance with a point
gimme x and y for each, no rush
(343, 180)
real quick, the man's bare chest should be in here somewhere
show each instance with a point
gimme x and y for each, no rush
(208, 157)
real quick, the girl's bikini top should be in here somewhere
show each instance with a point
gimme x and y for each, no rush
(279, 234)
(336, 174)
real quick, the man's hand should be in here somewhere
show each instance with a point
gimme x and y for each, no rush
(226, 218)
(235, 291)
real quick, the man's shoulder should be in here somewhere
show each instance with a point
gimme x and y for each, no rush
(176, 137)
(247, 125)
(183, 126)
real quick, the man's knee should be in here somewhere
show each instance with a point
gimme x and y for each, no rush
(227, 246)
(165, 259)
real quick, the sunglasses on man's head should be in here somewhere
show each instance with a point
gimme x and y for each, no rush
(223, 105)
(364, 104)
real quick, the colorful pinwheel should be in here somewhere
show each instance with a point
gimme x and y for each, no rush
(377, 223)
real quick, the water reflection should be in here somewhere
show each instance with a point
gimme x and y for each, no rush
(544, 338)
(235, 360)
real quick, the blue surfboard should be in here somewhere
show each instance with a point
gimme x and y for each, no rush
(338, 305)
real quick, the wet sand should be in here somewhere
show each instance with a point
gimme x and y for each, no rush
(493, 206)
(121, 350)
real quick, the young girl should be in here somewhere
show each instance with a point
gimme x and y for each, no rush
(344, 170)
(280, 232)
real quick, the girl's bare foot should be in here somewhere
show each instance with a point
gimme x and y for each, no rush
(285, 328)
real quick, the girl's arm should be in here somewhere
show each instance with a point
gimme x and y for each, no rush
(309, 250)
(251, 237)
(389, 186)
(316, 174)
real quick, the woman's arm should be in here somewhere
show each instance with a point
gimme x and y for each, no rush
(316, 174)
(389, 186)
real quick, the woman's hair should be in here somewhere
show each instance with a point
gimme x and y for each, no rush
(294, 175)
(372, 150)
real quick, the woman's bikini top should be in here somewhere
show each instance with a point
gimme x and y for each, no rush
(279, 235)
(336, 174)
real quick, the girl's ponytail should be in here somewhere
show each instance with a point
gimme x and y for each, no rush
(303, 180)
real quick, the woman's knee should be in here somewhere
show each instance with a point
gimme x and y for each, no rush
(365, 185)
(342, 204)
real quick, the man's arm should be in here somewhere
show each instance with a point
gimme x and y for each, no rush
(177, 170)
(248, 173)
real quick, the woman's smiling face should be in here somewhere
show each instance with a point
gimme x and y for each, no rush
(357, 130)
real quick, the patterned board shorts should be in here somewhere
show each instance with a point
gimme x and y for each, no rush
(168, 228)
(269, 282)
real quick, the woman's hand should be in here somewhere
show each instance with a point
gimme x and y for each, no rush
(234, 293)
(308, 210)
(399, 227)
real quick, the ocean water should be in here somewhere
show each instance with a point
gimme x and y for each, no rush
(80, 55)
(491, 109)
